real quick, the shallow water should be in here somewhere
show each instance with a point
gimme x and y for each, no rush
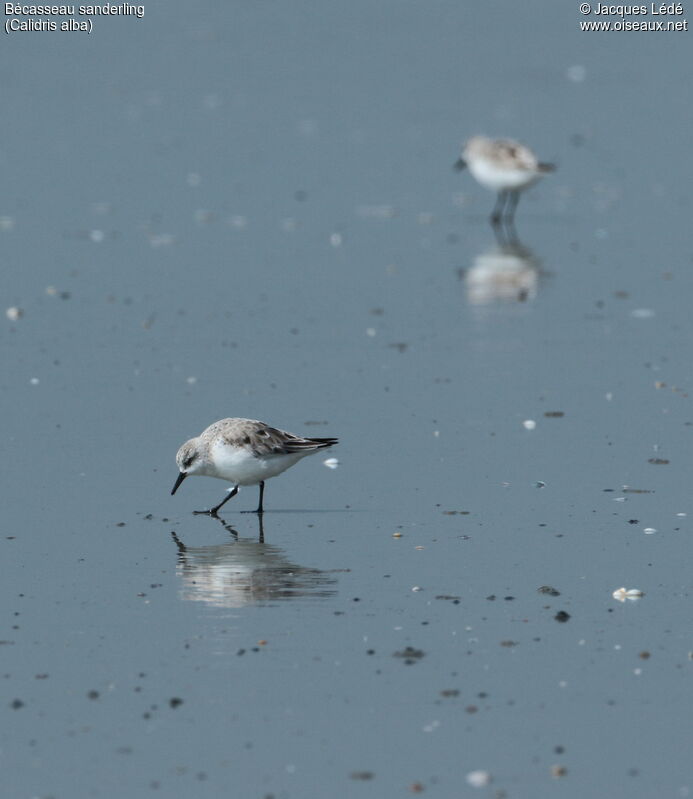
(251, 210)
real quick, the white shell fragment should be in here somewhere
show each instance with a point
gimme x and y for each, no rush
(627, 593)
(331, 463)
(13, 313)
(529, 424)
(642, 313)
(479, 779)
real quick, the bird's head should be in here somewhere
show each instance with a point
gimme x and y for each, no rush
(189, 461)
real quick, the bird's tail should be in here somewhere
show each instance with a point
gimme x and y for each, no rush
(307, 444)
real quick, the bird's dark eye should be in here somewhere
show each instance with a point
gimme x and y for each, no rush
(187, 463)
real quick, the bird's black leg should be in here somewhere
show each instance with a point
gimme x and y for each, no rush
(215, 510)
(261, 530)
(513, 199)
(497, 213)
(259, 508)
(511, 231)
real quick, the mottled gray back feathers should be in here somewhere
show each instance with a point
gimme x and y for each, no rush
(263, 440)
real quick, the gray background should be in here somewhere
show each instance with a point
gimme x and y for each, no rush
(248, 209)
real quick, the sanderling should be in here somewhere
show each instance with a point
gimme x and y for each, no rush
(502, 165)
(245, 452)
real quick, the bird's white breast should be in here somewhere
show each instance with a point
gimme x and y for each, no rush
(498, 178)
(238, 465)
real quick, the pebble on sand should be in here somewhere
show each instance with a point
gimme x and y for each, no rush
(479, 779)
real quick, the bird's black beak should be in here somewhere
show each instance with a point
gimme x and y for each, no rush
(179, 480)
(460, 164)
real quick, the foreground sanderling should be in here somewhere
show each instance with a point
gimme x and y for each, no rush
(245, 452)
(502, 165)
